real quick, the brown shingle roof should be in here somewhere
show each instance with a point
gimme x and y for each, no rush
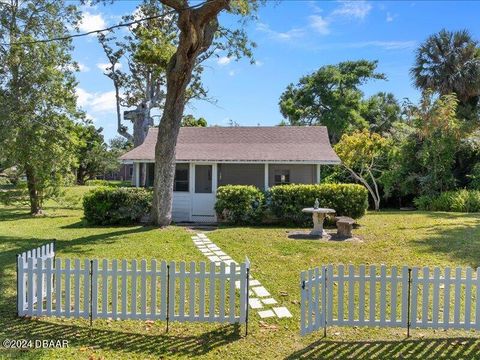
(274, 144)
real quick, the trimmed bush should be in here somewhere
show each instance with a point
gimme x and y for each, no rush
(97, 183)
(240, 204)
(287, 201)
(116, 206)
(456, 201)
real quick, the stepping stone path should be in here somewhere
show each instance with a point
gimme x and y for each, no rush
(260, 297)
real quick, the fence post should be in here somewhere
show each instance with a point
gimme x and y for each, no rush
(168, 295)
(91, 293)
(247, 263)
(324, 300)
(18, 295)
(408, 300)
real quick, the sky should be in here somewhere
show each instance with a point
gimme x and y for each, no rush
(294, 38)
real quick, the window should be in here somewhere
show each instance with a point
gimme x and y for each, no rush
(130, 170)
(181, 182)
(282, 177)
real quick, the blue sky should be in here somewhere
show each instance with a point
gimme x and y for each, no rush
(294, 38)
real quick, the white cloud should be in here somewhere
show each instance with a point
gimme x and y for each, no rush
(390, 17)
(91, 22)
(319, 24)
(291, 34)
(232, 72)
(224, 60)
(258, 63)
(353, 9)
(386, 45)
(96, 102)
(83, 67)
(104, 66)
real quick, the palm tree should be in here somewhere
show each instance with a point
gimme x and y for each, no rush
(449, 62)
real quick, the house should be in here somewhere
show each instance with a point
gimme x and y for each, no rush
(207, 158)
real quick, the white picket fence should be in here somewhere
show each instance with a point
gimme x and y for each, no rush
(131, 289)
(394, 297)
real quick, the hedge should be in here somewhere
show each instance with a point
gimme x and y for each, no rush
(240, 204)
(116, 206)
(456, 201)
(287, 201)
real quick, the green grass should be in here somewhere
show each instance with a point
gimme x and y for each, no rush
(391, 238)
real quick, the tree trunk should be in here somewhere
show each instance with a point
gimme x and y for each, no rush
(35, 203)
(197, 31)
(166, 143)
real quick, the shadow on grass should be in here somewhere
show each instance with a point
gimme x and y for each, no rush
(450, 348)
(460, 243)
(159, 345)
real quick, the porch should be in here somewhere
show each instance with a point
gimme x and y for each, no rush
(196, 183)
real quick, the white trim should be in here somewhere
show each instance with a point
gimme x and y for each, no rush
(137, 174)
(265, 177)
(318, 178)
(200, 162)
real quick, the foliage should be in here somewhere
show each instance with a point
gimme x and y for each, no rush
(457, 201)
(439, 132)
(191, 121)
(37, 95)
(364, 154)
(330, 96)
(240, 204)
(115, 206)
(381, 111)
(287, 201)
(474, 177)
(97, 182)
(449, 63)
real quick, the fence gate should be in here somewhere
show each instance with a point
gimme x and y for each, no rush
(49, 286)
(389, 297)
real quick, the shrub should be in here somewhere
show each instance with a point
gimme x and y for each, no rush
(116, 206)
(287, 201)
(456, 201)
(240, 204)
(97, 183)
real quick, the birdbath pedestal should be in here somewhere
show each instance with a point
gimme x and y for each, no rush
(318, 216)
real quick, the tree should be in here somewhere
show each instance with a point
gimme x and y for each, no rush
(362, 154)
(37, 94)
(330, 96)
(91, 153)
(191, 121)
(439, 132)
(449, 62)
(381, 111)
(198, 28)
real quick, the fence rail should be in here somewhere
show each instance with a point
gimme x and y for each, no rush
(389, 297)
(121, 289)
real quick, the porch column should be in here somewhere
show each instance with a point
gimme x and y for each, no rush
(191, 178)
(137, 174)
(265, 175)
(214, 178)
(318, 173)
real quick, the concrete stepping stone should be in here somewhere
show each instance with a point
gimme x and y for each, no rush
(282, 312)
(237, 284)
(203, 236)
(255, 303)
(260, 291)
(214, 258)
(220, 253)
(252, 282)
(213, 247)
(266, 314)
(269, 301)
(225, 257)
(205, 251)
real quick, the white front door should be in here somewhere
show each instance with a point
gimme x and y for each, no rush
(204, 192)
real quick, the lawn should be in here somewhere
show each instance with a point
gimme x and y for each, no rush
(389, 237)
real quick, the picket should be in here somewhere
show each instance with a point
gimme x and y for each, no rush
(103, 289)
(389, 294)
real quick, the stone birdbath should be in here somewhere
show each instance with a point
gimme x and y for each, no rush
(318, 216)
